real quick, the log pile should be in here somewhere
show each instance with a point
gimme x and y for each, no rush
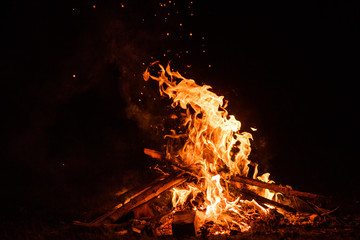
(184, 223)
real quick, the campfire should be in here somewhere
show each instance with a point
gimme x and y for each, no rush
(208, 184)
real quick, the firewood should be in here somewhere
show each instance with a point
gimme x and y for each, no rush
(143, 211)
(126, 197)
(316, 209)
(142, 198)
(102, 225)
(153, 153)
(276, 188)
(161, 224)
(129, 194)
(160, 158)
(249, 195)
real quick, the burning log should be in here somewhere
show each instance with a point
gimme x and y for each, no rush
(247, 194)
(98, 225)
(277, 188)
(142, 198)
(125, 198)
(127, 195)
(161, 224)
(154, 154)
(160, 158)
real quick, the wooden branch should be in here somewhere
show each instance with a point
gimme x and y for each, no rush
(145, 196)
(137, 190)
(161, 159)
(100, 225)
(129, 194)
(154, 154)
(311, 206)
(160, 156)
(276, 188)
(251, 195)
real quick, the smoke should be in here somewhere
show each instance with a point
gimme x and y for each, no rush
(142, 117)
(73, 124)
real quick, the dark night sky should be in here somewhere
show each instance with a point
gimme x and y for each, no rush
(290, 69)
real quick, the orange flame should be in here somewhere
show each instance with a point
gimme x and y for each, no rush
(214, 150)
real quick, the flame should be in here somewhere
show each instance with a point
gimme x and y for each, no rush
(214, 150)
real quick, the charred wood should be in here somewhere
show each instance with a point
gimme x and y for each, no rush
(145, 196)
(129, 194)
(245, 180)
(160, 158)
(249, 195)
(126, 197)
(276, 188)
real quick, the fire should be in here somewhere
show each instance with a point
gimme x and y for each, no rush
(214, 149)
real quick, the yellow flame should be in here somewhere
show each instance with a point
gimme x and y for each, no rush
(214, 149)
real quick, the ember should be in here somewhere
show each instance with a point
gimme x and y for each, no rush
(205, 172)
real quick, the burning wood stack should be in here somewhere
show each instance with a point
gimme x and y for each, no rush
(205, 188)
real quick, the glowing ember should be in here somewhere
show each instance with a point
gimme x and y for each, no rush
(213, 149)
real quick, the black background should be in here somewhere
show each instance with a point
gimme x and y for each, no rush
(288, 68)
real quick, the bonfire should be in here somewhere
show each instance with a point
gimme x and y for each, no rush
(207, 178)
